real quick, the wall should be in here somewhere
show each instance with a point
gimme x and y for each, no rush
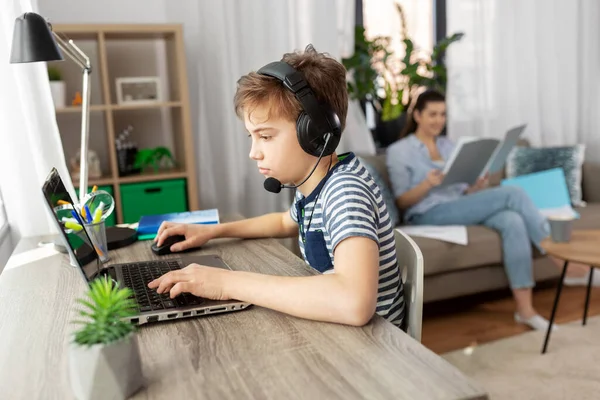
(105, 11)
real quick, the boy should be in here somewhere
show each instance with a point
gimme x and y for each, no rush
(344, 228)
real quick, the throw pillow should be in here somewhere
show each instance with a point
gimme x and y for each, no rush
(527, 160)
(386, 193)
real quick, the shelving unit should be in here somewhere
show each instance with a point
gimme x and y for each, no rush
(126, 50)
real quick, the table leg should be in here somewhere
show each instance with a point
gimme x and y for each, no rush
(555, 306)
(587, 295)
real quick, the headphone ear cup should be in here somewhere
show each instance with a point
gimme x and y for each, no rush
(307, 137)
(312, 139)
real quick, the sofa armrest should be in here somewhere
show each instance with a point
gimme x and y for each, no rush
(591, 182)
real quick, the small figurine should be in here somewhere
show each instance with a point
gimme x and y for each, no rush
(77, 100)
(94, 170)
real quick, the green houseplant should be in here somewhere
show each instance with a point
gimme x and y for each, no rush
(104, 357)
(389, 82)
(57, 87)
(424, 70)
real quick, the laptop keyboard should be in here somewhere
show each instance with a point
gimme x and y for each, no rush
(136, 276)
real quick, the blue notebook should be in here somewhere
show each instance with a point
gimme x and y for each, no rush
(149, 224)
(547, 189)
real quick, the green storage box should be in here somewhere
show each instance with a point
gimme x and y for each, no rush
(112, 218)
(149, 198)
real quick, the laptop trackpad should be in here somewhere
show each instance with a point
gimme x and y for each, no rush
(210, 260)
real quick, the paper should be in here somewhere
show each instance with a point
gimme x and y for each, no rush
(560, 212)
(447, 233)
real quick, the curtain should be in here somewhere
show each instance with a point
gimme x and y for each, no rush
(227, 39)
(535, 62)
(31, 143)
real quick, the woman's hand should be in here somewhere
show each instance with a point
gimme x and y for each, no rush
(434, 177)
(482, 183)
(195, 234)
(199, 280)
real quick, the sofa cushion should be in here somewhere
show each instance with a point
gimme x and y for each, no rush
(527, 160)
(441, 257)
(485, 246)
(386, 193)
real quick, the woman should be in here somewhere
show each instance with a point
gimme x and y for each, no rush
(415, 166)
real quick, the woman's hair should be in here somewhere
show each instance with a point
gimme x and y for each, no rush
(428, 96)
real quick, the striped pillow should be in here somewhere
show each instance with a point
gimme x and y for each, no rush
(527, 160)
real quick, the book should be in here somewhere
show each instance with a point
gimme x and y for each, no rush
(473, 158)
(149, 224)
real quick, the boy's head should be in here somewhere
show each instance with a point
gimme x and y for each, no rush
(270, 111)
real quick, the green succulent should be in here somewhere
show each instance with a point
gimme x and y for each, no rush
(54, 74)
(106, 307)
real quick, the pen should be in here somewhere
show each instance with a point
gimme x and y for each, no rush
(88, 214)
(62, 203)
(73, 225)
(98, 212)
(94, 188)
(76, 216)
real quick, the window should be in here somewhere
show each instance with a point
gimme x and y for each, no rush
(3, 219)
(381, 18)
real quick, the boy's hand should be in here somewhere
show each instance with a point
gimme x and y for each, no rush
(199, 280)
(195, 234)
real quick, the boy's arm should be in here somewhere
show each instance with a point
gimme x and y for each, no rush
(277, 225)
(348, 296)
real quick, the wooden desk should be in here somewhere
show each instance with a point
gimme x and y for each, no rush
(582, 248)
(252, 354)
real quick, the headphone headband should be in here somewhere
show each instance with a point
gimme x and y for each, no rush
(317, 120)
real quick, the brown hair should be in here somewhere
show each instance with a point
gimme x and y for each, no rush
(325, 75)
(428, 96)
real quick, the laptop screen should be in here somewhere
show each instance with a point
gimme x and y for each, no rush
(79, 244)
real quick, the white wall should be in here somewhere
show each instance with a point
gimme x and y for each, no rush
(104, 11)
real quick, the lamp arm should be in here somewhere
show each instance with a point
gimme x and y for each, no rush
(72, 51)
(79, 57)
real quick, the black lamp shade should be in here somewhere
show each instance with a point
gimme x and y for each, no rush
(33, 40)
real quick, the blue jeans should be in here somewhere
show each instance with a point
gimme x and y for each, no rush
(506, 209)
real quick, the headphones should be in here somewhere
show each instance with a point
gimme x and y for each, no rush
(318, 126)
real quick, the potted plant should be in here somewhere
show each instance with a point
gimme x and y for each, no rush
(422, 69)
(104, 358)
(57, 87)
(371, 81)
(388, 82)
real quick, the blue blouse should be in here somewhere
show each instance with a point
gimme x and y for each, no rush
(408, 162)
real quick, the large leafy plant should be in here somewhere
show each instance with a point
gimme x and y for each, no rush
(389, 82)
(421, 69)
(106, 307)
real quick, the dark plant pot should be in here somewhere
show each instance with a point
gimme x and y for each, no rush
(387, 132)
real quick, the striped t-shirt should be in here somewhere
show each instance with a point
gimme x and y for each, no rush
(349, 203)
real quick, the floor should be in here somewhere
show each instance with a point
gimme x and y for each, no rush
(455, 324)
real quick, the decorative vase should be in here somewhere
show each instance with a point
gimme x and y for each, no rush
(112, 371)
(59, 93)
(387, 132)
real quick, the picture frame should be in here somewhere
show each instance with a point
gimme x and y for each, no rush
(138, 90)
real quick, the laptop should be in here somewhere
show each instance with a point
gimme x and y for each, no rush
(152, 307)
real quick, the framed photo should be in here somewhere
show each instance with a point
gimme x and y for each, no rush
(136, 90)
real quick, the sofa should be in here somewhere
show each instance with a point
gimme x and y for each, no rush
(453, 270)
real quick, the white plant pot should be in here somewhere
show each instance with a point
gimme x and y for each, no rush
(59, 93)
(111, 371)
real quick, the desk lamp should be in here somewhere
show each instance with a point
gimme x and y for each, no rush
(34, 41)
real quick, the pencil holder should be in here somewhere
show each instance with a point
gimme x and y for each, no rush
(126, 161)
(97, 233)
